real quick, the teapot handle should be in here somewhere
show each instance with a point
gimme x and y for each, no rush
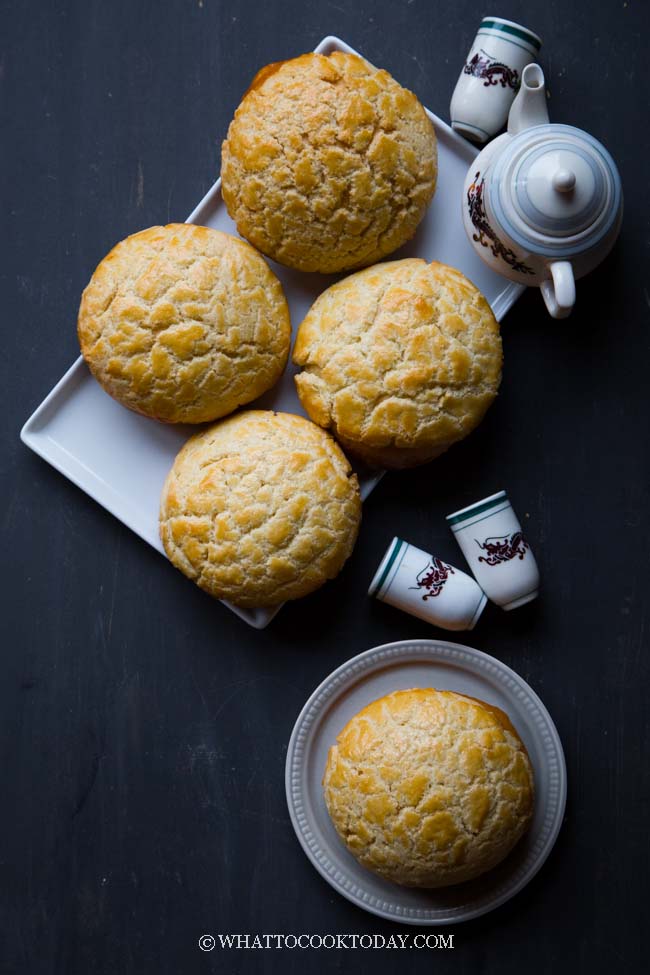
(559, 293)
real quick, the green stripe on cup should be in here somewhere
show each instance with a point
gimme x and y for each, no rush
(523, 45)
(397, 544)
(523, 35)
(477, 509)
(474, 519)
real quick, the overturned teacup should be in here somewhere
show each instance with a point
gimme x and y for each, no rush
(491, 77)
(497, 552)
(426, 586)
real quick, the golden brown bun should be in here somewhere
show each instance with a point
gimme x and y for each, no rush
(329, 164)
(429, 788)
(184, 324)
(400, 361)
(260, 508)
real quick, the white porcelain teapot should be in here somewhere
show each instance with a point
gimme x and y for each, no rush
(542, 203)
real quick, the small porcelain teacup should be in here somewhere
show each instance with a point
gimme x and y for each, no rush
(427, 587)
(491, 77)
(490, 536)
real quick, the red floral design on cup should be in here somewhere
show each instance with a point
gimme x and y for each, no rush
(433, 577)
(493, 72)
(503, 548)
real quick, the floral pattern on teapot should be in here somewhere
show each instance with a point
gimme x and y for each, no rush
(479, 218)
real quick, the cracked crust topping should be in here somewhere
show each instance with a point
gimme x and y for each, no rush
(329, 164)
(184, 323)
(429, 788)
(400, 361)
(260, 508)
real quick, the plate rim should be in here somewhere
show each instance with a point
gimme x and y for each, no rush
(366, 663)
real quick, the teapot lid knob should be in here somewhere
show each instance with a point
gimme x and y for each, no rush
(564, 180)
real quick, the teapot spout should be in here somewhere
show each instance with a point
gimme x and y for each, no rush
(529, 107)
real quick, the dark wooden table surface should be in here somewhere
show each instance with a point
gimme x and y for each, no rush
(144, 727)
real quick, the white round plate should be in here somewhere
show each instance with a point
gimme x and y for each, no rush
(446, 666)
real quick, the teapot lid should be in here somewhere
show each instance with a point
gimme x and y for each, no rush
(555, 190)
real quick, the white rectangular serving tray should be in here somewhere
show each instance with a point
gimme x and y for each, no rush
(121, 459)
